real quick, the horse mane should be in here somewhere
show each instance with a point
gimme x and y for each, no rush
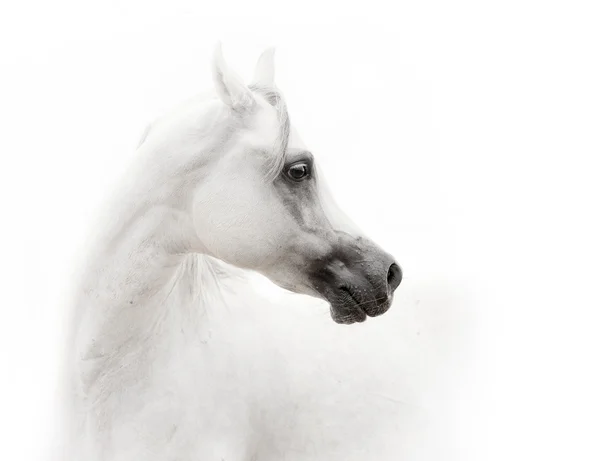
(274, 97)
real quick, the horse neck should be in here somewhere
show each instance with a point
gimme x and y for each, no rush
(143, 260)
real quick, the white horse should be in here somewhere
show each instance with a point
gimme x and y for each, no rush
(165, 360)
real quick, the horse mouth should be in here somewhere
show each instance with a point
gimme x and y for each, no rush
(348, 306)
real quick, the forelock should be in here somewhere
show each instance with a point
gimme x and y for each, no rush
(275, 99)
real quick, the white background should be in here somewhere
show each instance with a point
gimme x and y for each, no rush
(463, 136)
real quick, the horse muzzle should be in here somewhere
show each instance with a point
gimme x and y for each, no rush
(357, 280)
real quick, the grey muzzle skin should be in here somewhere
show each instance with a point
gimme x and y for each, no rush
(357, 278)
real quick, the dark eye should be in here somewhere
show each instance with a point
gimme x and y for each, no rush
(298, 171)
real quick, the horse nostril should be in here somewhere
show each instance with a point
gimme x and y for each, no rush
(394, 276)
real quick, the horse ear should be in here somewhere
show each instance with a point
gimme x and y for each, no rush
(264, 72)
(229, 86)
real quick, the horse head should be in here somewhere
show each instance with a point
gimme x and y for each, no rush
(261, 202)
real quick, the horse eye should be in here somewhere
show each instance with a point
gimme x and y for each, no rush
(298, 171)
